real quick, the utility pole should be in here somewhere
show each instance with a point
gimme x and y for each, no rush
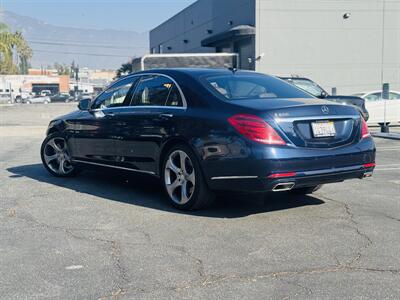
(382, 62)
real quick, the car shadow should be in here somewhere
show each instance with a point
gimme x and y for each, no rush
(148, 192)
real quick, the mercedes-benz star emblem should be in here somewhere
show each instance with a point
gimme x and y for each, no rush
(325, 109)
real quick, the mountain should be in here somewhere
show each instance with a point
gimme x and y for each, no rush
(97, 49)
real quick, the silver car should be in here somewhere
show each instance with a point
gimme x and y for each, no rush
(37, 100)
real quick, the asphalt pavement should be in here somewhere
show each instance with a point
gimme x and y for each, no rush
(107, 235)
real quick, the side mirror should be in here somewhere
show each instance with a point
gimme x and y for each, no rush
(323, 95)
(84, 104)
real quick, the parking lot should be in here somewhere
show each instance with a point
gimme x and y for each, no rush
(105, 235)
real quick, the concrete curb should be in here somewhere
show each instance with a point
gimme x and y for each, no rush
(392, 136)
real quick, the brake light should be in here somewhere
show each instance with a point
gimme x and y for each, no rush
(256, 129)
(282, 175)
(364, 129)
(370, 165)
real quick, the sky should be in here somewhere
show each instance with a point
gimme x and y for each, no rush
(133, 15)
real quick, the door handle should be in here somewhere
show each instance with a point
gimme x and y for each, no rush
(110, 114)
(166, 116)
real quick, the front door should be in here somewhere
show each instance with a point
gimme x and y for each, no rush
(95, 132)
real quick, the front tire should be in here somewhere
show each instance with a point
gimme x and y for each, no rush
(55, 156)
(183, 180)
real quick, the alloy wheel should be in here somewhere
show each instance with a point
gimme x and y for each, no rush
(179, 177)
(56, 156)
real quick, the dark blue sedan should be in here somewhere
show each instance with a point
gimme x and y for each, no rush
(202, 130)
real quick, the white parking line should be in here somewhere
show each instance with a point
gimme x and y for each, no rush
(388, 149)
(74, 267)
(387, 169)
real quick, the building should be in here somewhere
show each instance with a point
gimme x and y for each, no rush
(36, 83)
(352, 45)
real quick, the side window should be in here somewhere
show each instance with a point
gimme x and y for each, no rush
(394, 96)
(117, 95)
(174, 98)
(373, 97)
(156, 91)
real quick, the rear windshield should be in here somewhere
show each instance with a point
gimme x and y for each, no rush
(308, 86)
(257, 86)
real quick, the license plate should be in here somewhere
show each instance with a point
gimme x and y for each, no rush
(323, 129)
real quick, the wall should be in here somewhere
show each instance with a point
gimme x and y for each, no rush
(310, 38)
(192, 24)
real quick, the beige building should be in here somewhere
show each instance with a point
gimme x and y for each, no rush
(353, 45)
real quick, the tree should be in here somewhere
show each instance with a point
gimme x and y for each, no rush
(10, 42)
(125, 69)
(62, 69)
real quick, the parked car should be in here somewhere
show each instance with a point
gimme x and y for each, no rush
(314, 89)
(45, 93)
(202, 130)
(37, 100)
(376, 106)
(20, 97)
(5, 97)
(62, 97)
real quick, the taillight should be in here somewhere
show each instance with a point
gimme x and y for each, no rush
(256, 129)
(364, 129)
(370, 165)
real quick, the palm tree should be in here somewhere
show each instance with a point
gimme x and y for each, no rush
(8, 43)
(125, 68)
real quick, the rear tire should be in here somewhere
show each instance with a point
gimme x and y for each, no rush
(306, 190)
(183, 180)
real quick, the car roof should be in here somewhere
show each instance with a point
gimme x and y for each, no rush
(377, 91)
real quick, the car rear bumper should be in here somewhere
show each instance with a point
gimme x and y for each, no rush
(262, 169)
(297, 180)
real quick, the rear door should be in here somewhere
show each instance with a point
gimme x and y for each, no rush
(157, 105)
(95, 132)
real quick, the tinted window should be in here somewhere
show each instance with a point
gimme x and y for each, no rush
(374, 97)
(157, 91)
(308, 86)
(237, 87)
(116, 95)
(174, 98)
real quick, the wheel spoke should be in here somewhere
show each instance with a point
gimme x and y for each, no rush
(53, 145)
(61, 168)
(184, 197)
(171, 187)
(191, 177)
(171, 166)
(49, 158)
(182, 158)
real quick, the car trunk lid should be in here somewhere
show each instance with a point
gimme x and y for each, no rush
(310, 123)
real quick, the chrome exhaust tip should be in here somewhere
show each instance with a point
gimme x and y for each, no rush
(284, 186)
(367, 174)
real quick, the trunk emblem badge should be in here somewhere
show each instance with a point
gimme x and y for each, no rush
(325, 109)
